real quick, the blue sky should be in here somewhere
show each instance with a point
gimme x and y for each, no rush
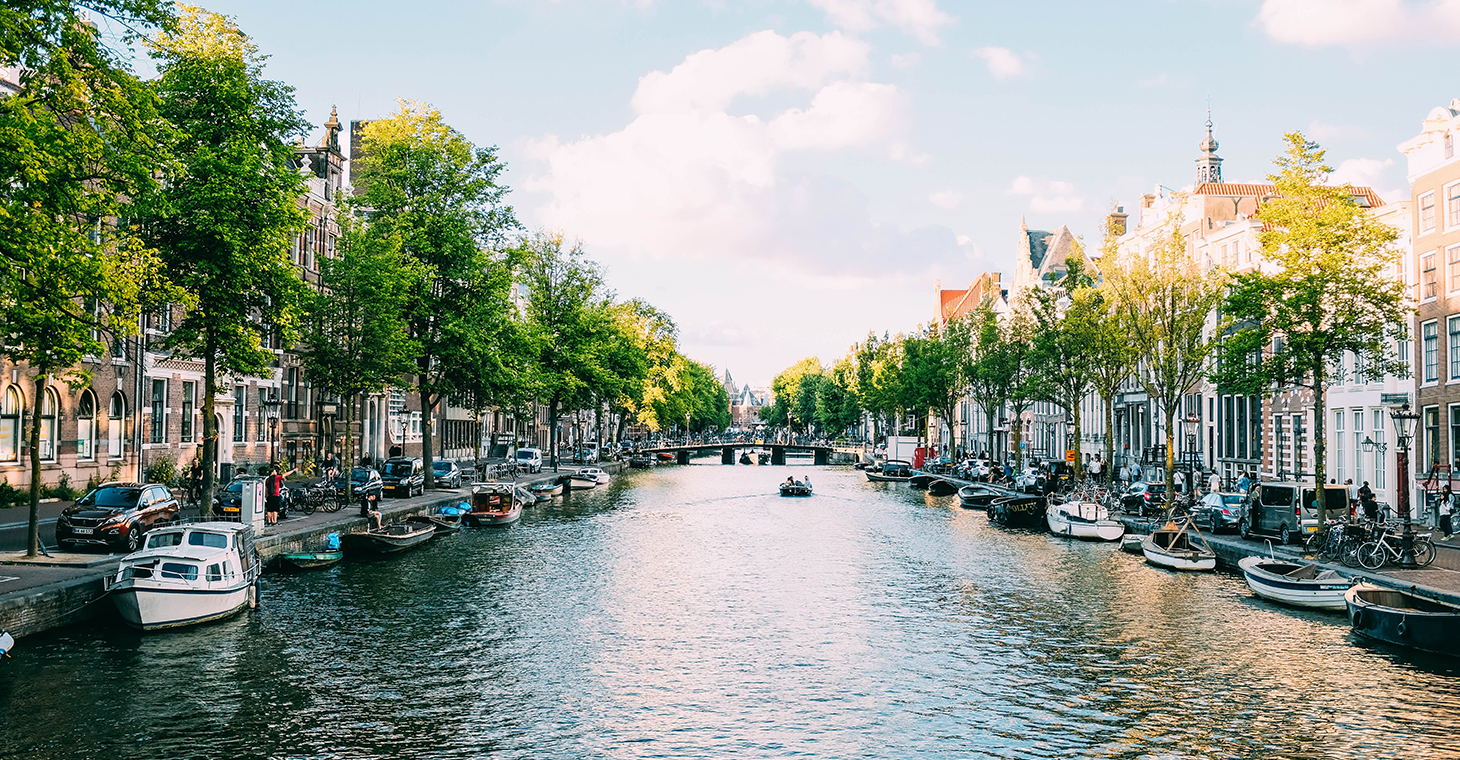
(783, 177)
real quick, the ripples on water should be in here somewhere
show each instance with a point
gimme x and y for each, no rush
(685, 613)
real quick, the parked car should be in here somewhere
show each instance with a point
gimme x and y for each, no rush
(530, 459)
(1218, 511)
(1275, 509)
(115, 515)
(228, 500)
(403, 477)
(1142, 497)
(364, 481)
(446, 474)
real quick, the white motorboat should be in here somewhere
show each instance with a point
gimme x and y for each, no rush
(1179, 546)
(186, 575)
(591, 475)
(1083, 519)
(1298, 584)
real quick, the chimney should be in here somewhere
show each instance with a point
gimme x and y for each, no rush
(1115, 222)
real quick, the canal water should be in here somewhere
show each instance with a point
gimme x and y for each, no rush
(689, 612)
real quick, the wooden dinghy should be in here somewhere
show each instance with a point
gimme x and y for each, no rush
(1179, 546)
(389, 539)
(1295, 583)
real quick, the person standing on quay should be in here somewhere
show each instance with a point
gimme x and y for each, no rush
(1446, 507)
(1244, 484)
(1214, 483)
(273, 493)
(195, 481)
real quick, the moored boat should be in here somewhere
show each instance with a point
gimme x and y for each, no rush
(1083, 519)
(1018, 511)
(1295, 583)
(592, 474)
(7, 643)
(388, 539)
(1404, 619)
(186, 575)
(921, 479)
(438, 523)
(642, 462)
(494, 504)
(1131, 543)
(317, 560)
(892, 471)
(942, 487)
(796, 488)
(745, 458)
(546, 489)
(1179, 546)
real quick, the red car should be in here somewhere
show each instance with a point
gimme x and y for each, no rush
(116, 515)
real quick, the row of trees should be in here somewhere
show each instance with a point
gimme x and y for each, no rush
(1158, 317)
(121, 196)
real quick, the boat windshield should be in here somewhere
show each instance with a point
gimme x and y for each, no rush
(159, 540)
(180, 570)
(214, 540)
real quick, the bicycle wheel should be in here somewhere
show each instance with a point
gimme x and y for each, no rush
(334, 503)
(1372, 555)
(1348, 552)
(304, 507)
(1424, 551)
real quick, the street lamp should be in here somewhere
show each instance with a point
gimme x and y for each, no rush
(1192, 423)
(686, 428)
(328, 411)
(1404, 420)
(271, 408)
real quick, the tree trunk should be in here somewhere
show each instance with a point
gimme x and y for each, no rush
(1079, 464)
(427, 455)
(210, 432)
(33, 529)
(1169, 412)
(553, 431)
(349, 468)
(1320, 445)
(476, 459)
(1018, 440)
(1109, 471)
(989, 414)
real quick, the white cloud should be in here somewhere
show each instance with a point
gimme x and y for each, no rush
(1047, 196)
(687, 179)
(1367, 172)
(948, 199)
(905, 60)
(901, 151)
(1316, 23)
(919, 18)
(1324, 132)
(1003, 63)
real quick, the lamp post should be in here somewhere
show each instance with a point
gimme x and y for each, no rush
(328, 411)
(686, 428)
(1404, 420)
(271, 408)
(1192, 424)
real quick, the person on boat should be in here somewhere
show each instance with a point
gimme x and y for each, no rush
(273, 495)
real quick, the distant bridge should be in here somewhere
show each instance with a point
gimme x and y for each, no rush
(821, 453)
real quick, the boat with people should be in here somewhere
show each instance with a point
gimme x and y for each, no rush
(494, 504)
(1083, 519)
(793, 487)
(892, 471)
(1404, 619)
(187, 574)
(1178, 545)
(330, 555)
(388, 539)
(1019, 511)
(1301, 584)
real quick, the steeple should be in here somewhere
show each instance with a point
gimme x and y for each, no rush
(332, 132)
(1209, 166)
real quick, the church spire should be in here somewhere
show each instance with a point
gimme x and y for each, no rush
(1209, 166)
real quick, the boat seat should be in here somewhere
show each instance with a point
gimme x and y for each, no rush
(1329, 575)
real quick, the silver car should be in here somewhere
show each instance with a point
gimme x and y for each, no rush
(1218, 511)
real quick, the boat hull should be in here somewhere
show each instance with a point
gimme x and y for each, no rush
(880, 478)
(373, 542)
(1178, 559)
(1083, 520)
(942, 487)
(155, 608)
(1264, 580)
(1402, 619)
(310, 560)
(493, 519)
(1019, 512)
(796, 490)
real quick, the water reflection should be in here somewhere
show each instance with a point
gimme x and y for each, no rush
(690, 612)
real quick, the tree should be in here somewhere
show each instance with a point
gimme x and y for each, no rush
(228, 211)
(1110, 353)
(709, 402)
(77, 143)
(836, 402)
(1016, 336)
(357, 336)
(932, 376)
(653, 349)
(1329, 290)
(795, 390)
(1166, 300)
(989, 364)
(1065, 321)
(426, 184)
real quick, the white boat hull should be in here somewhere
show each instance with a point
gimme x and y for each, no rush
(1321, 594)
(1084, 520)
(154, 607)
(1176, 561)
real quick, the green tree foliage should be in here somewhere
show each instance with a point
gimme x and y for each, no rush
(648, 344)
(427, 185)
(1112, 358)
(836, 401)
(1066, 319)
(229, 209)
(1166, 301)
(77, 143)
(989, 365)
(1330, 291)
(1015, 347)
(356, 337)
(709, 403)
(796, 390)
(932, 372)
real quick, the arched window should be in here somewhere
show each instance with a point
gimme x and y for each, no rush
(10, 425)
(49, 405)
(117, 409)
(86, 426)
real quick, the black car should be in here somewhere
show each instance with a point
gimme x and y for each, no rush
(364, 481)
(447, 474)
(403, 476)
(115, 515)
(228, 501)
(1143, 497)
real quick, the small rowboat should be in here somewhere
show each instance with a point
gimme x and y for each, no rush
(1083, 519)
(942, 487)
(1399, 617)
(390, 539)
(494, 504)
(796, 488)
(892, 471)
(1301, 585)
(310, 560)
(439, 524)
(1172, 546)
(546, 489)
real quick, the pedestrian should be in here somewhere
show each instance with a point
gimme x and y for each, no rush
(1244, 483)
(273, 496)
(195, 481)
(1095, 467)
(1214, 483)
(1179, 480)
(1135, 472)
(1446, 506)
(1353, 492)
(1125, 474)
(1366, 497)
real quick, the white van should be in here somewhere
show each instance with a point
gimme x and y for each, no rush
(530, 459)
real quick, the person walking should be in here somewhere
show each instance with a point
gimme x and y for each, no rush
(1446, 507)
(1244, 483)
(1214, 483)
(273, 496)
(1125, 474)
(195, 481)
(1179, 480)
(1095, 467)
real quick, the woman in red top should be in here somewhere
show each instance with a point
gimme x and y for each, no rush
(273, 491)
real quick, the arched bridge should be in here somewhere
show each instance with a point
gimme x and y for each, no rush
(821, 453)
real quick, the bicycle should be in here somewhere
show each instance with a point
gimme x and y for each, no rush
(1386, 548)
(299, 501)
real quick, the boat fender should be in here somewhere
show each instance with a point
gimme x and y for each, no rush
(1358, 618)
(253, 596)
(1403, 627)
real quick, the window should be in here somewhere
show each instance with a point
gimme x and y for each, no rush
(1432, 435)
(1454, 434)
(1379, 459)
(213, 573)
(10, 425)
(1426, 213)
(1279, 449)
(291, 410)
(1226, 262)
(1428, 277)
(179, 570)
(1452, 260)
(49, 404)
(261, 430)
(158, 427)
(1449, 145)
(240, 397)
(188, 394)
(86, 426)
(116, 411)
(1358, 446)
(1431, 352)
(1239, 254)
(1338, 457)
(1299, 441)
(1452, 206)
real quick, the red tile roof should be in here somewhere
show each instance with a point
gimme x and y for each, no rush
(1262, 191)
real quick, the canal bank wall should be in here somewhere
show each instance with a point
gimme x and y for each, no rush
(59, 592)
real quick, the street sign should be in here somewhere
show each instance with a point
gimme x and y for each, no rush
(1393, 398)
(1070, 455)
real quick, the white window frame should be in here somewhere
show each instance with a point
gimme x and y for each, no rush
(1452, 216)
(1424, 353)
(1420, 213)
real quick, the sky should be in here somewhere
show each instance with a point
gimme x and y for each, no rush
(785, 177)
